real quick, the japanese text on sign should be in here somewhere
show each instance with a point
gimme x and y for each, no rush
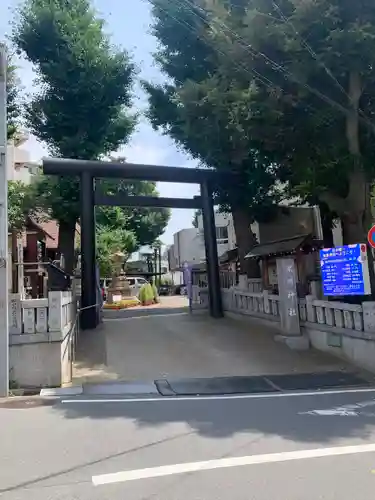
(345, 270)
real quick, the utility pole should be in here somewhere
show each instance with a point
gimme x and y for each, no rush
(4, 321)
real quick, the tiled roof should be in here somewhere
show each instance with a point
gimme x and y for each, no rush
(278, 247)
(52, 229)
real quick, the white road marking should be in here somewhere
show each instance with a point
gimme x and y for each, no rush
(336, 412)
(351, 410)
(168, 470)
(168, 399)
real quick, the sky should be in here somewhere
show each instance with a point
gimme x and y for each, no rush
(128, 23)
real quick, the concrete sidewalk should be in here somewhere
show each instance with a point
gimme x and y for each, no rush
(180, 345)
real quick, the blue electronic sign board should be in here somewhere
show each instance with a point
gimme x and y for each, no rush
(345, 270)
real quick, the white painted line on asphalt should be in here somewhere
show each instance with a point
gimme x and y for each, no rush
(350, 410)
(168, 470)
(216, 398)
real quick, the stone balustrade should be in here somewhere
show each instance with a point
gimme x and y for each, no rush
(255, 285)
(41, 339)
(261, 304)
(332, 314)
(52, 314)
(252, 303)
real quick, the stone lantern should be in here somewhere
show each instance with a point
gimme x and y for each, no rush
(119, 288)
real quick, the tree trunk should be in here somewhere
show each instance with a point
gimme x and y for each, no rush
(245, 241)
(327, 233)
(356, 219)
(353, 230)
(66, 244)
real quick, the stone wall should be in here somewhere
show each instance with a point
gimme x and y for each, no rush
(41, 339)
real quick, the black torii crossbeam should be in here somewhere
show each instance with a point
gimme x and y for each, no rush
(88, 170)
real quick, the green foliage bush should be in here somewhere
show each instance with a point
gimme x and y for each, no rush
(146, 293)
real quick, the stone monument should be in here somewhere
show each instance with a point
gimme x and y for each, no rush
(288, 304)
(119, 288)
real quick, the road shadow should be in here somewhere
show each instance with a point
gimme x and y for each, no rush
(221, 418)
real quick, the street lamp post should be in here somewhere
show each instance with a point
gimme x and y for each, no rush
(4, 322)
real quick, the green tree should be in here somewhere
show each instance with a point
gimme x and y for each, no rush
(81, 109)
(13, 105)
(127, 227)
(147, 224)
(286, 87)
(312, 112)
(20, 204)
(203, 110)
(110, 240)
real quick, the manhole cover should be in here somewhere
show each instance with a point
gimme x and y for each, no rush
(25, 403)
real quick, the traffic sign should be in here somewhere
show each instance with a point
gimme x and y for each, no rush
(371, 237)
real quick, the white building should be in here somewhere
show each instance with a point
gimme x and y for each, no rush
(225, 233)
(188, 244)
(19, 165)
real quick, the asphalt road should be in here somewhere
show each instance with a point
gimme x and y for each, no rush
(306, 446)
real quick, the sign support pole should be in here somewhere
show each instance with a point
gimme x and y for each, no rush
(4, 321)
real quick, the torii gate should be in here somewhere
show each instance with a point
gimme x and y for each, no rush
(88, 170)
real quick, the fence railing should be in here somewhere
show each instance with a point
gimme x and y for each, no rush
(228, 279)
(348, 317)
(257, 303)
(53, 314)
(335, 314)
(255, 285)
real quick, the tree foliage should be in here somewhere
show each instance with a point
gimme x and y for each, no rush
(146, 224)
(127, 228)
(207, 114)
(110, 240)
(316, 95)
(81, 107)
(281, 91)
(20, 204)
(13, 105)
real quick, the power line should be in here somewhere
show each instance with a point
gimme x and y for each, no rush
(280, 68)
(238, 66)
(258, 76)
(308, 47)
(311, 51)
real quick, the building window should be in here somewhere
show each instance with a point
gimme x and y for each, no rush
(222, 235)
